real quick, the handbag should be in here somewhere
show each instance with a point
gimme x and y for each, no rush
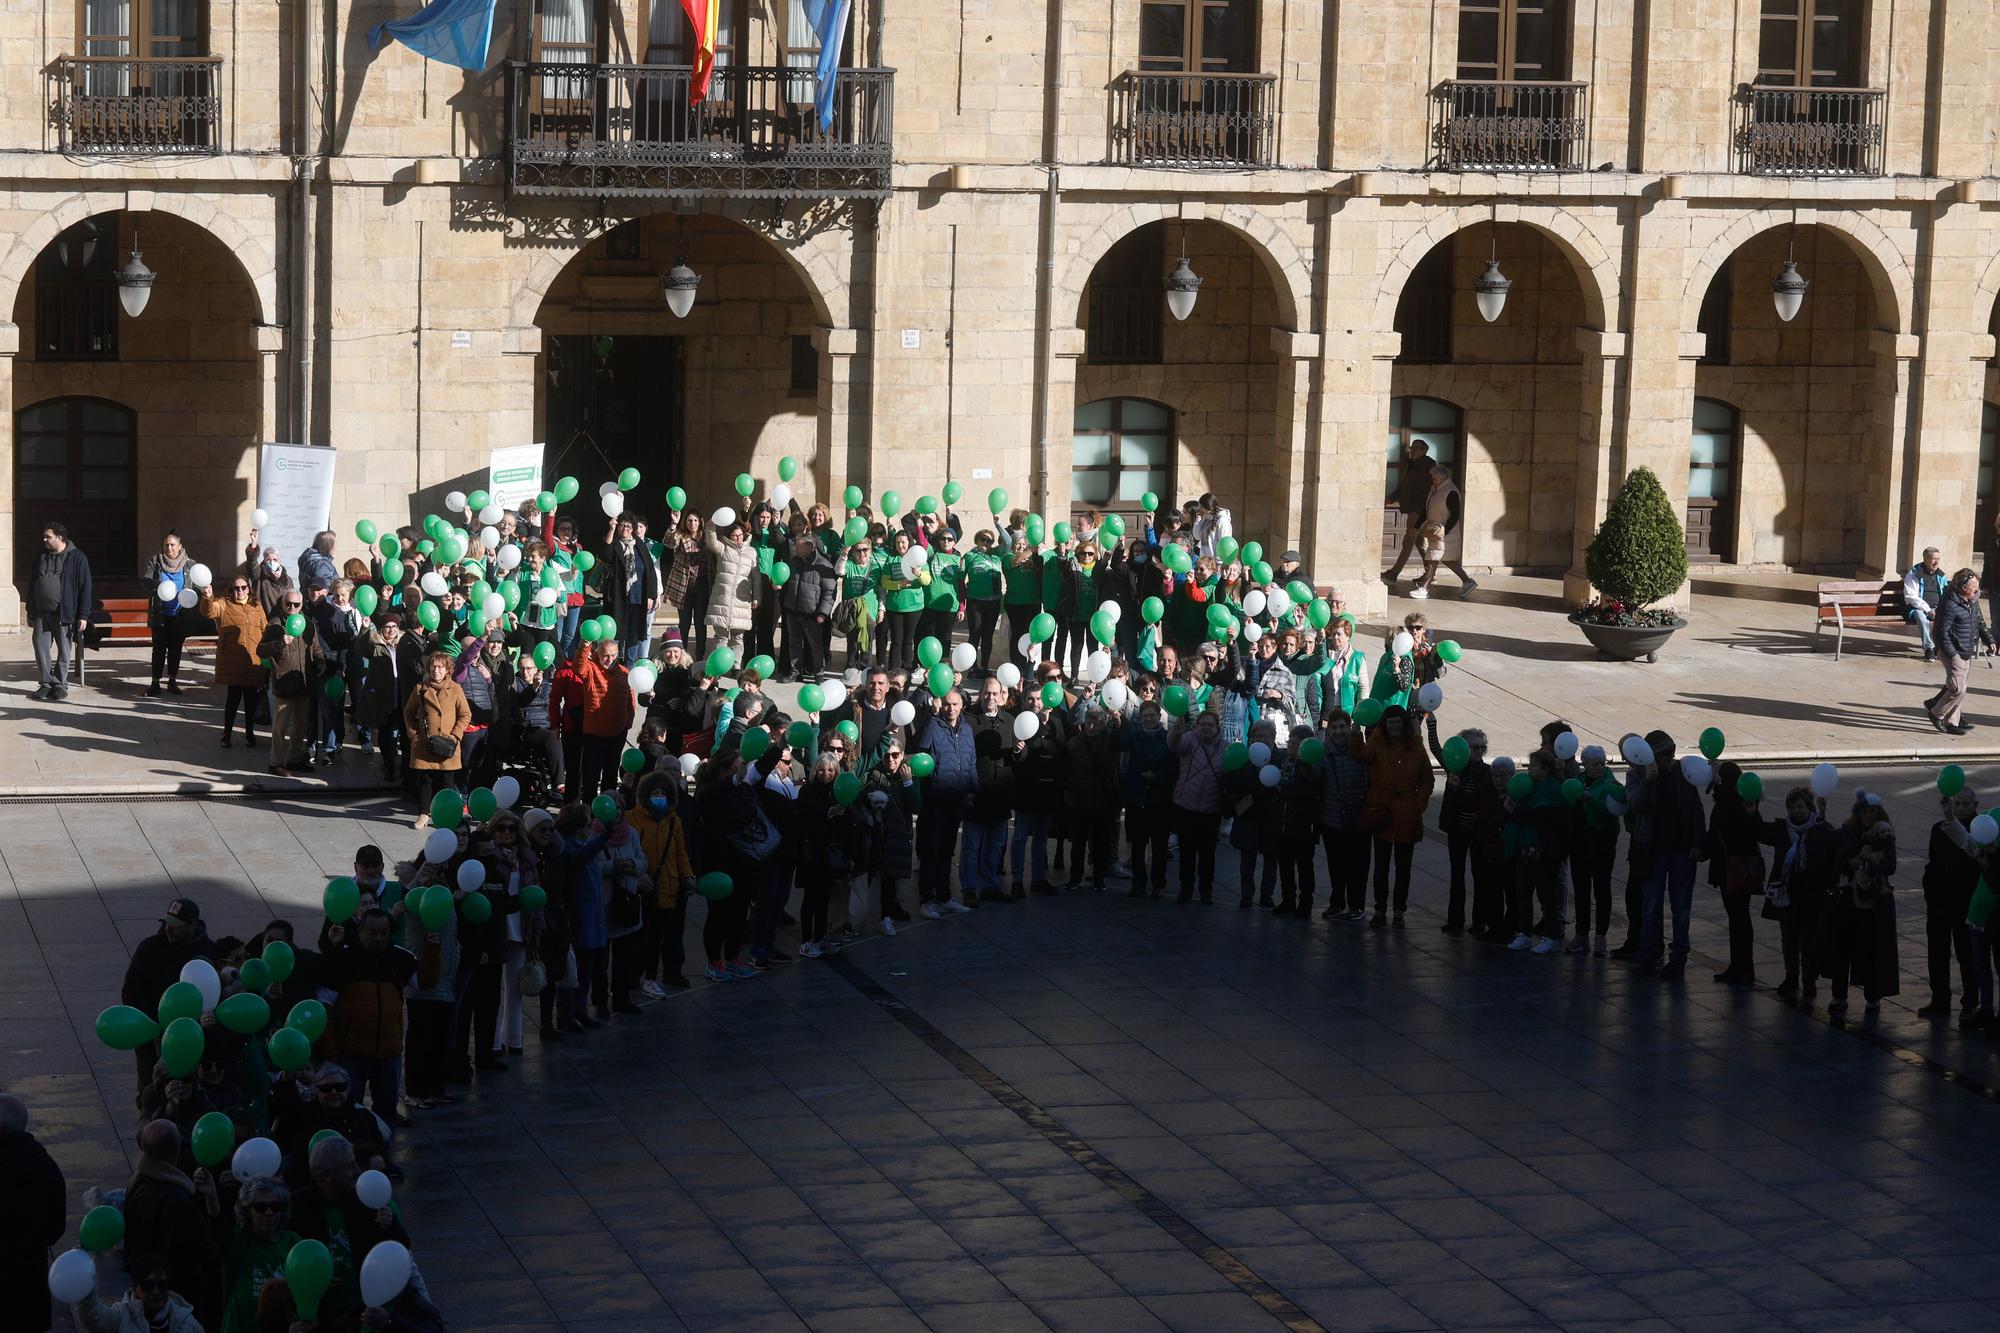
(440, 747)
(1742, 874)
(757, 838)
(533, 978)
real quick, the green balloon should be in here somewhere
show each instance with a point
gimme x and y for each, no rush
(1234, 757)
(1042, 628)
(585, 561)
(477, 501)
(677, 499)
(763, 665)
(939, 680)
(566, 489)
(1449, 651)
(476, 908)
(244, 1012)
(366, 599)
(929, 651)
(180, 1000)
(927, 504)
(546, 502)
(322, 1137)
(289, 1048)
(334, 688)
(1176, 701)
(510, 596)
(856, 529)
(426, 547)
(123, 1028)
(788, 467)
(1226, 549)
(605, 809)
(434, 906)
(1318, 613)
(1712, 742)
(1052, 694)
(482, 804)
(745, 484)
(309, 1017)
(632, 760)
(781, 573)
(852, 497)
(447, 811)
(366, 532)
(1149, 502)
(812, 698)
(753, 745)
(1252, 553)
(952, 490)
(715, 884)
(278, 956)
(295, 624)
(181, 1045)
(1035, 529)
(101, 1229)
(1311, 751)
(1064, 532)
(848, 730)
(922, 765)
(342, 898)
(891, 502)
(544, 655)
(533, 898)
(1113, 525)
(214, 1136)
(721, 661)
(1457, 754)
(1519, 786)
(1219, 617)
(1177, 558)
(308, 1273)
(996, 500)
(628, 479)
(1298, 592)
(799, 735)
(1951, 780)
(1151, 610)
(1750, 787)
(427, 615)
(1260, 573)
(846, 789)
(1103, 628)
(1368, 712)
(590, 631)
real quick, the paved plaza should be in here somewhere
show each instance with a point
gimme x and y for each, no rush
(1094, 1113)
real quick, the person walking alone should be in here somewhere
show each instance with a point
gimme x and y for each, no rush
(1956, 636)
(59, 599)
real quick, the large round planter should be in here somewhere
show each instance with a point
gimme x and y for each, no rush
(1628, 643)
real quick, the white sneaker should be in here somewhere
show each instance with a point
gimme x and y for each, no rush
(809, 950)
(931, 912)
(423, 821)
(654, 989)
(955, 907)
(1420, 592)
(1548, 944)
(1521, 942)
(1578, 945)
(888, 926)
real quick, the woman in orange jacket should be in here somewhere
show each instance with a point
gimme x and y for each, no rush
(1400, 781)
(663, 838)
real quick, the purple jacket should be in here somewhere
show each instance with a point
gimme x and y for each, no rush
(1198, 788)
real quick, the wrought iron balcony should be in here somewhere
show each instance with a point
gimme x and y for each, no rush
(632, 130)
(1509, 125)
(136, 104)
(1194, 120)
(1791, 131)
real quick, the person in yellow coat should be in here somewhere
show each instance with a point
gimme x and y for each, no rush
(663, 838)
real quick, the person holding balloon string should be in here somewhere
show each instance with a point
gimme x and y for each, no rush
(346, 1216)
(1952, 873)
(153, 1304)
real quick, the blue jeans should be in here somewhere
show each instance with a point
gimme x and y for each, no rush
(1922, 616)
(1031, 831)
(1671, 880)
(566, 632)
(981, 849)
(382, 1078)
(636, 632)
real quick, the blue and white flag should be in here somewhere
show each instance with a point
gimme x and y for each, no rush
(829, 20)
(453, 31)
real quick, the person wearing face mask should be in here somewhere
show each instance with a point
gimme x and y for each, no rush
(239, 628)
(265, 569)
(663, 839)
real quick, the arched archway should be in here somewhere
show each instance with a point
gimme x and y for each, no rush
(1595, 274)
(691, 401)
(1889, 280)
(1285, 268)
(186, 372)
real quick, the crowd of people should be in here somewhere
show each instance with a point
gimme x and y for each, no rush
(584, 775)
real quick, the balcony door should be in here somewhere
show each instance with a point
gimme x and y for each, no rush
(74, 462)
(1810, 43)
(133, 48)
(1196, 36)
(1506, 40)
(664, 99)
(569, 103)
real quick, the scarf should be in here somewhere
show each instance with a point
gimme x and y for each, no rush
(164, 1172)
(1794, 855)
(177, 565)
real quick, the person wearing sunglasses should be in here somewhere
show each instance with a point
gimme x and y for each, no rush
(254, 1249)
(300, 1113)
(239, 627)
(290, 656)
(153, 1304)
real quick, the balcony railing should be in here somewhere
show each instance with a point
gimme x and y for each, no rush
(1509, 125)
(1126, 325)
(136, 104)
(1809, 131)
(626, 130)
(1195, 120)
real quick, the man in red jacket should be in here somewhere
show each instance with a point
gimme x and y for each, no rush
(603, 714)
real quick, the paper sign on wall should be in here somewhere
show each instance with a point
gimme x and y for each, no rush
(295, 491)
(515, 474)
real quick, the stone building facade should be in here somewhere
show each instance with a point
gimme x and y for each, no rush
(414, 264)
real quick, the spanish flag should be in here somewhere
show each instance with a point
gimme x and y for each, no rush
(701, 17)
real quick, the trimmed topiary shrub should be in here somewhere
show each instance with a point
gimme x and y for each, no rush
(1639, 554)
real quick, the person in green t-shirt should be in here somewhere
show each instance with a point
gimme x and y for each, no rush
(902, 597)
(253, 1247)
(943, 604)
(1023, 596)
(985, 580)
(857, 585)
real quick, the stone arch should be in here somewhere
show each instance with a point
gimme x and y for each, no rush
(1596, 275)
(1986, 300)
(253, 258)
(1884, 264)
(1291, 275)
(810, 261)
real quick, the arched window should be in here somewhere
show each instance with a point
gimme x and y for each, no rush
(1711, 504)
(1441, 427)
(74, 460)
(1124, 448)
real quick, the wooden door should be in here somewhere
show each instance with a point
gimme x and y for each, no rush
(75, 461)
(1710, 520)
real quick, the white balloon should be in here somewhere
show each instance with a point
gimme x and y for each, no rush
(189, 597)
(372, 1189)
(1097, 666)
(1260, 754)
(489, 537)
(545, 597)
(491, 515)
(1253, 602)
(72, 1276)
(509, 557)
(1636, 751)
(608, 488)
(506, 791)
(902, 712)
(1825, 779)
(433, 584)
(781, 496)
(1112, 609)
(722, 518)
(455, 501)
(1696, 770)
(1613, 806)
(440, 845)
(836, 695)
(1430, 698)
(1565, 746)
(1009, 675)
(1116, 696)
(471, 874)
(386, 1270)
(1025, 645)
(1025, 726)
(1985, 829)
(1402, 643)
(963, 656)
(642, 679)
(1252, 631)
(1278, 604)
(254, 1158)
(167, 592)
(613, 504)
(201, 974)
(914, 559)
(689, 764)
(260, 518)
(199, 577)
(494, 607)
(1269, 775)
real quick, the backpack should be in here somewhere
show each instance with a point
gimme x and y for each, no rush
(847, 616)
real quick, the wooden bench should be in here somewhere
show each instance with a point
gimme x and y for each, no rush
(1858, 604)
(126, 625)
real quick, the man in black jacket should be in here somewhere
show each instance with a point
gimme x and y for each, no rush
(1679, 829)
(631, 584)
(32, 1184)
(1956, 635)
(1411, 488)
(59, 600)
(156, 964)
(166, 1216)
(807, 601)
(327, 1211)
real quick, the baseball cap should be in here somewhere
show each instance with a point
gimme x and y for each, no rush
(184, 910)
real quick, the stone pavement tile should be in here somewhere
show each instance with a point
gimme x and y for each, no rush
(471, 1303)
(600, 1295)
(1847, 1319)
(1517, 1255)
(1571, 1300)
(1885, 1281)
(1339, 1222)
(1945, 1316)
(798, 1242)
(1464, 1303)
(1099, 1314)
(696, 1247)
(891, 1242)
(1783, 1286)
(700, 1291)
(1455, 1219)
(653, 1323)
(871, 1319)
(542, 1257)
(1360, 1309)
(921, 1279)
(827, 1286)
(1107, 1233)
(1396, 1262)
(737, 1321)
(1163, 1272)
(1035, 1277)
(1309, 1264)
(989, 1239)
(1217, 1312)
(991, 1317)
